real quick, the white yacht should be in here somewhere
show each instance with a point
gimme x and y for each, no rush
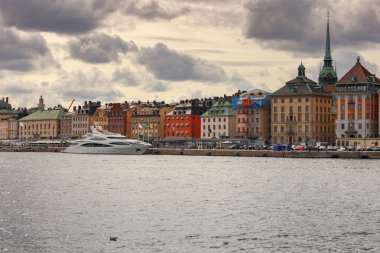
(98, 142)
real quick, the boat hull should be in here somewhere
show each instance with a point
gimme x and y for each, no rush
(134, 150)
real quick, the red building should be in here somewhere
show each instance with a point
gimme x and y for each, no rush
(184, 122)
(115, 118)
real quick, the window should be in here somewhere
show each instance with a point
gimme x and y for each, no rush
(299, 108)
(299, 100)
(290, 100)
(275, 129)
(275, 109)
(282, 129)
(342, 126)
(275, 118)
(307, 99)
(282, 100)
(275, 100)
(282, 109)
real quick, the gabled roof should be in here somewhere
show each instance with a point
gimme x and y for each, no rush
(220, 108)
(51, 114)
(359, 74)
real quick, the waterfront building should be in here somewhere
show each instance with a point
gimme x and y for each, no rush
(301, 112)
(146, 123)
(357, 97)
(116, 119)
(128, 113)
(327, 75)
(67, 125)
(101, 118)
(253, 115)
(219, 121)
(184, 122)
(83, 118)
(42, 124)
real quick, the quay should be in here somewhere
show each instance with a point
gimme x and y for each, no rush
(267, 153)
(228, 152)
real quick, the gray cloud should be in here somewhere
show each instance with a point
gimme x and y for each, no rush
(300, 26)
(139, 77)
(68, 16)
(167, 64)
(23, 53)
(100, 48)
(125, 76)
(86, 85)
(151, 9)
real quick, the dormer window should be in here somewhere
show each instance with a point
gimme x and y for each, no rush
(353, 79)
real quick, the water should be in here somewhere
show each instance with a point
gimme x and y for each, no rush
(51, 202)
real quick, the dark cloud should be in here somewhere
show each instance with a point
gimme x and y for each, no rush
(300, 26)
(167, 64)
(151, 9)
(65, 16)
(100, 48)
(23, 53)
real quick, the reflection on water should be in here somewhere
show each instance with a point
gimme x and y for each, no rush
(74, 203)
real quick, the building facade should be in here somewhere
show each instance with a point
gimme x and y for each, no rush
(219, 121)
(184, 122)
(253, 115)
(83, 118)
(146, 123)
(357, 98)
(42, 124)
(301, 112)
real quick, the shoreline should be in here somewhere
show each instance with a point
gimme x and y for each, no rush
(229, 152)
(267, 153)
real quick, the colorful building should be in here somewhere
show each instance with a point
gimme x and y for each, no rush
(253, 115)
(116, 119)
(301, 112)
(146, 123)
(184, 122)
(219, 121)
(357, 98)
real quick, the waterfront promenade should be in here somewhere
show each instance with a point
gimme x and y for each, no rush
(229, 152)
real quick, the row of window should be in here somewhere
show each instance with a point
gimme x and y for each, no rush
(299, 100)
(318, 129)
(244, 120)
(318, 118)
(214, 120)
(299, 109)
(214, 127)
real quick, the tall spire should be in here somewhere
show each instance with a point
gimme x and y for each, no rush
(328, 59)
(327, 75)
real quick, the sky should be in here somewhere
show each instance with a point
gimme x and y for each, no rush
(167, 50)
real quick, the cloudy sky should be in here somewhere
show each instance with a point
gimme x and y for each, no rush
(119, 50)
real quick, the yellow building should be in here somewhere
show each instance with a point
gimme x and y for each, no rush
(42, 124)
(301, 112)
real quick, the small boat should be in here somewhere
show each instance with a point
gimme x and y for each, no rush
(102, 142)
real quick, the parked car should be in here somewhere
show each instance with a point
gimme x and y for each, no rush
(331, 148)
(299, 148)
(341, 148)
(311, 148)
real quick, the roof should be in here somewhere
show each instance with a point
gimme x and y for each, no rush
(220, 108)
(359, 74)
(300, 90)
(52, 114)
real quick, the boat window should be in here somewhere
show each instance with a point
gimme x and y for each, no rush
(116, 138)
(95, 145)
(97, 139)
(120, 143)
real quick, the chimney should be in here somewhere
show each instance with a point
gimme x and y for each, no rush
(74, 108)
(6, 100)
(79, 108)
(85, 103)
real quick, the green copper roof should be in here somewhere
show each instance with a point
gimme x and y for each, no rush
(220, 108)
(52, 114)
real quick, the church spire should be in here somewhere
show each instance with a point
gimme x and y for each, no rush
(327, 75)
(328, 59)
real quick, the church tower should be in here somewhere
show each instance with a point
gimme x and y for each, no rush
(41, 105)
(327, 75)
